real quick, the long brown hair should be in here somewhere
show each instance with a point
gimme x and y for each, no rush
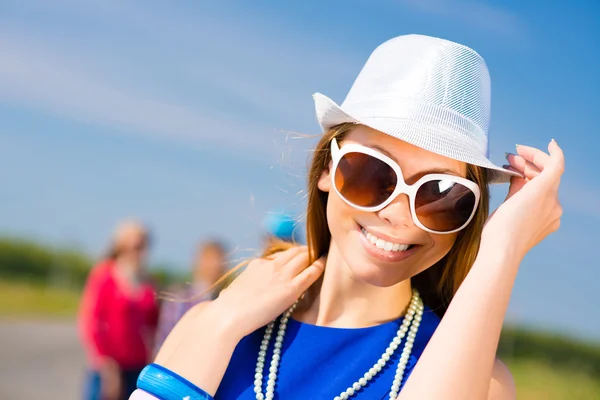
(437, 284)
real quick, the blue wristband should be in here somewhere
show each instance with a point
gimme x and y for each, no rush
(167, 385)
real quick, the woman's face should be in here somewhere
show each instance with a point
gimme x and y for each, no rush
(134, 250)
(209, 266)
(393, 223)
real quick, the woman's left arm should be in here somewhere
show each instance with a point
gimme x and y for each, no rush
(460, 357)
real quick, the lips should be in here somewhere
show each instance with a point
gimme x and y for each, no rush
(384, 249)
(384, 244)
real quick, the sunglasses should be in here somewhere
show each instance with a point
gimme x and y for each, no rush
(369, 181)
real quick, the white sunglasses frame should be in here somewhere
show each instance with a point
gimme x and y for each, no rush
(401, 187)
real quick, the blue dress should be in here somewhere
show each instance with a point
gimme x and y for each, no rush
(321, 362)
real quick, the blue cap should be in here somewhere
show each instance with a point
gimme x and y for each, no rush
(280, 225)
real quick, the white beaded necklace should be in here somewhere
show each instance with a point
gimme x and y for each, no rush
(410, 325)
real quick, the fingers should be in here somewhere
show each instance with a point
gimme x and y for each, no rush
(522, 166)
(557, 158)
(535, 156)
(555, 165)
(513, 169)
(309, 275)
(516, 183)
(533, 162)
(292, 261)
(296, 265)
(286, 256)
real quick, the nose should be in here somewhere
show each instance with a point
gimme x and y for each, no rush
(397, 213)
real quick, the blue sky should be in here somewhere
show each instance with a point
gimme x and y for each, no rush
(180, 114)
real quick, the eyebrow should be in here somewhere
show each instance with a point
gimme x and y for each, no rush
(419, 174)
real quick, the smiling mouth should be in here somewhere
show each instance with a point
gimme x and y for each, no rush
(383, 244)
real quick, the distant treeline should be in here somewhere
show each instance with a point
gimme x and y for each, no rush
(556, 350)
(30, 261)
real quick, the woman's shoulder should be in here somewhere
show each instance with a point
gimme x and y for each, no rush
(100, 272)
(102, 267)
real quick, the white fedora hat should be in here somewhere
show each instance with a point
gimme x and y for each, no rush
(430, 92)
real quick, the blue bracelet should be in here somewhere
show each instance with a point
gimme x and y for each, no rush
(167, 385)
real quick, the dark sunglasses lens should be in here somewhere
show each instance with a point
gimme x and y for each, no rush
(444, 205)
(364, 180)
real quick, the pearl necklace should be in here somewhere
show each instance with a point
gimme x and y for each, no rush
(410, 325)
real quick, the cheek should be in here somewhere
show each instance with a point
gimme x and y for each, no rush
(445, 241)
(340, 216)
(441, 245)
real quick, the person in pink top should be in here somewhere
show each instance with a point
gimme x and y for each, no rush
(118, 316)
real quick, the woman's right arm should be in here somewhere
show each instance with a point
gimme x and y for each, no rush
(201, 345)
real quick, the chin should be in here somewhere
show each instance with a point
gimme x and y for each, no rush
(372, 273)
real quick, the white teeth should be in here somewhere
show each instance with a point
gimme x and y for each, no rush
(382, 244)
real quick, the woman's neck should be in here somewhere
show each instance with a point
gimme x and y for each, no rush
(341, 300)
(127, 274)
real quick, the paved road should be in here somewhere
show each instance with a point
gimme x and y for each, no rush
(40, 360)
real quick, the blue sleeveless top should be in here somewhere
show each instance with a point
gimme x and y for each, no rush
(321, 362)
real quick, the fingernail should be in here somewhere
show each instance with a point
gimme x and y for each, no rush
(517, 145)
(505, 166)
(506, 154)
(553, 140)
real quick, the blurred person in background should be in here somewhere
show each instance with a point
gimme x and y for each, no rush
(118, 316)
(210, 264)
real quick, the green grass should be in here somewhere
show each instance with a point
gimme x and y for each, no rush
(536, 380)
(18, 299)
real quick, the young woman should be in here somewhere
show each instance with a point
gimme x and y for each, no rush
(402, 264)
(118, 316)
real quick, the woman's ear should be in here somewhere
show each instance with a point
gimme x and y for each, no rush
(324, 183)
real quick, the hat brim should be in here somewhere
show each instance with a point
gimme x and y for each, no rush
(425, 136)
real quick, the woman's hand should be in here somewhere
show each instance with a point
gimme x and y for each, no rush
(268, 287)
(531, 210)
(210, 331)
